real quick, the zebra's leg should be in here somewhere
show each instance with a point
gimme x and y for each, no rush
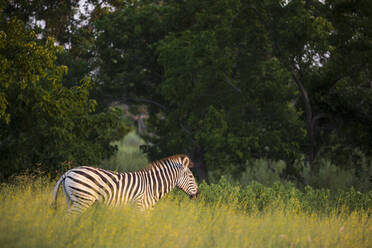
(144, 203)
(140, 205)
(67, 196)
(77, 208)
(79, 202)
(140, 202)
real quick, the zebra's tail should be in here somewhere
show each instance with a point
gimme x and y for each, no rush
(55, 191)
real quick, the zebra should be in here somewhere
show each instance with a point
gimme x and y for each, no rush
(83, 186)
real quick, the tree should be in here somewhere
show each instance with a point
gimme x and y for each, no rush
(44, 123)
(227, 81)
(299, 37)
(127, 70)
(324, 46)
(210, 93)
(230, 94)
(344, 91)
(56, 17)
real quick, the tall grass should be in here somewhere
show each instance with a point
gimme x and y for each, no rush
(225, 215)
(28, 221)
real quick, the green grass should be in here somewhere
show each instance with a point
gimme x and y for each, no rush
(28, 221)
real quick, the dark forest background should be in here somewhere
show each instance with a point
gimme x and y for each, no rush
(246, 88)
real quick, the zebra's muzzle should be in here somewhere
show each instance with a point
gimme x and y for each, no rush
(195, 196)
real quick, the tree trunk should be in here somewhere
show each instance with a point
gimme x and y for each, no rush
(309, 118)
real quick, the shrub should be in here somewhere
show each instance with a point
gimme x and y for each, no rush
(327, 175)
(285, 196)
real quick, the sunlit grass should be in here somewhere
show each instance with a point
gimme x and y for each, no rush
(28, 221)
(224, 216)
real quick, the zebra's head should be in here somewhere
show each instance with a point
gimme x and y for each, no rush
(186, 181)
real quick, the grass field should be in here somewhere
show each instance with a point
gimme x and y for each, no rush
(224, 216)
(28, 221)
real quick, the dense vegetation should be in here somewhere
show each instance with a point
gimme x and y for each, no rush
(251, 90)
(43, 123)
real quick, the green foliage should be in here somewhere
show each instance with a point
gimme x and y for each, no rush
(24, 64)
(229, 81)
(226, 104)
(255, 196)
(329, 176)
(44, 123)
(322, 175)
(57, 16)
(125, 47)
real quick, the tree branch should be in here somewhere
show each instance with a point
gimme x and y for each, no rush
(227, 80)
(318, 117)
(148, 101)
(309, 115)
(188, 132)
(333, 84)
(305, 96)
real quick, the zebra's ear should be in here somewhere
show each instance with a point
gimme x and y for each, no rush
(187, 163)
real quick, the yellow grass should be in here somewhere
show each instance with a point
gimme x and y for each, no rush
(26, 220)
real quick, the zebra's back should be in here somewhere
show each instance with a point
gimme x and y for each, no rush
(85, 185)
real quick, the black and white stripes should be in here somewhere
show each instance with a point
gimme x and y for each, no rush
(85, 185)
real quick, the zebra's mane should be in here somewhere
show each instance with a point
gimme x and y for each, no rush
(157, 163)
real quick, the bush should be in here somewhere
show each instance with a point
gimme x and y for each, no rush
(327, 175)
(285, 196)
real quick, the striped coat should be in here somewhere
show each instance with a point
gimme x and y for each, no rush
(85, 185)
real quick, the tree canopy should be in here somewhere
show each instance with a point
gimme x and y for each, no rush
(42, 122)
(224, 81)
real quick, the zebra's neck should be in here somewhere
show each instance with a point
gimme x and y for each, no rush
(161, 180)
